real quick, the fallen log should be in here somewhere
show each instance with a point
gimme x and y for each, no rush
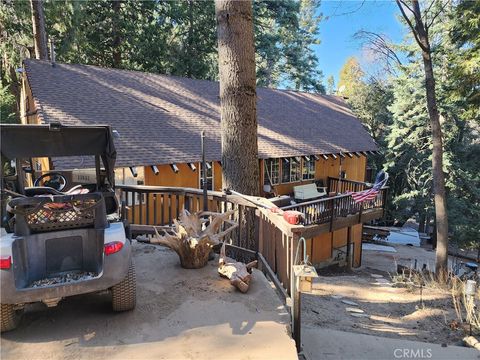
(239, 273)
(192, 239)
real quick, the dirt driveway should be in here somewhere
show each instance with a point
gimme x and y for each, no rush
(381, 309)
(180, 314)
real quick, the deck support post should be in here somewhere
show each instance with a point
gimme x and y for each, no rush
(349, 244)
(295, 294)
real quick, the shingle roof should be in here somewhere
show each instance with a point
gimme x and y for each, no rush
(160, 118)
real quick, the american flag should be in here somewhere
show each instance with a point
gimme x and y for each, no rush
(370, 194)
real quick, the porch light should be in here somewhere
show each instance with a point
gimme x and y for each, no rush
(133, 170)
(174, 168)
(155, 169)
(192, 166)
(316, 157)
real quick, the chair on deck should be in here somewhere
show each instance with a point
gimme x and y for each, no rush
(307, 192)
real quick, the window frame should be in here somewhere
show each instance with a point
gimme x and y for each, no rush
(269, 163)
(291, 170)
(310, 173)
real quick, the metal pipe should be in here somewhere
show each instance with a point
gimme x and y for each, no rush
(204, 169)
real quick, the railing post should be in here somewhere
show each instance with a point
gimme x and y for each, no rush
(332, 213)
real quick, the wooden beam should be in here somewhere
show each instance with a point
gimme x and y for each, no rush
(350, 155)
(325, 156)
(342, 155)
(333, 156)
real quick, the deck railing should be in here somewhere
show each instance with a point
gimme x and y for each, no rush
(327, 210)
(144, 206)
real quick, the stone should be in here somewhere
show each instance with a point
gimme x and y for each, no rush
(348, 302)
(354, 310)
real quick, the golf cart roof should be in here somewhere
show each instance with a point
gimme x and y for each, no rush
(56, 140)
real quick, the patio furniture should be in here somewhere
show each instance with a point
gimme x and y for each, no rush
(307, 192)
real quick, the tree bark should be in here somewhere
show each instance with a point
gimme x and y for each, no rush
(236, 62)
(117, 40)
(39, 32)
(420, 32)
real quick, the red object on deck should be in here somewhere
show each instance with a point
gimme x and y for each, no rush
(293, 217)
(5, 262)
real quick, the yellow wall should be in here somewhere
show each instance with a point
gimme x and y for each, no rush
(324, 244)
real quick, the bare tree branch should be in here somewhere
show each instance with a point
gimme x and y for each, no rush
(379, 44)
(402, 4)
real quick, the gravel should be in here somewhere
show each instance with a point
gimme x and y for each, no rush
(65, 278)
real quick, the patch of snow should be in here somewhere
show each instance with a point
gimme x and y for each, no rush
(375, 247)
(403, 236)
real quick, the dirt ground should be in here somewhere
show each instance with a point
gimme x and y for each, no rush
(180, 314)
(383, 310)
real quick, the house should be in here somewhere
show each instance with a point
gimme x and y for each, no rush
(302, 137)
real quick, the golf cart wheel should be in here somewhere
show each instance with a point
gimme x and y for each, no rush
(10, 318)
(124, 294)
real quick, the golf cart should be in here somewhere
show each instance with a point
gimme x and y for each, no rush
(59, 239)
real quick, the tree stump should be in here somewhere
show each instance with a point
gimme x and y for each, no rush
(192, 240)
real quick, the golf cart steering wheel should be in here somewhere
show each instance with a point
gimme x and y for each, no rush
(55, 180)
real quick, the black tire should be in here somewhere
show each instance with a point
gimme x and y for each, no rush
(10, 318)
(124, 294)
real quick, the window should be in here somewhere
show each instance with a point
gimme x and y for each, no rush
(209, 175)
(271, 173)
(308, 169)
(290, 170)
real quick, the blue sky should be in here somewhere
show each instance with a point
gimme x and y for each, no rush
(343, 19)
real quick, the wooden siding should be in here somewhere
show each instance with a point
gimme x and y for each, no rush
(354, 168)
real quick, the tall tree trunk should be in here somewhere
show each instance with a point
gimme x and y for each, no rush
(117, 40)
(420, 32)
(441, 217)
(39, 32)
(190, 57)
(236, 62)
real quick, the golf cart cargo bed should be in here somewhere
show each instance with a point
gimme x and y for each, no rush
(62, 254)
